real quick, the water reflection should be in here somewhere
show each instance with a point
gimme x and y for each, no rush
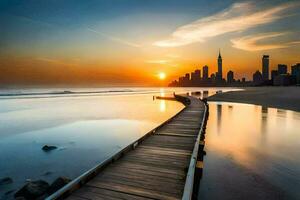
(86, 130)
(162, 106)
(252, 153)
(264, 122)
(219, 116)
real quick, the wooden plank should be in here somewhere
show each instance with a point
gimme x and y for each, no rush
(92, 192)
(156, 169)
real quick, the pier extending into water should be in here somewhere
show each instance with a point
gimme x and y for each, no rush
(166, 163)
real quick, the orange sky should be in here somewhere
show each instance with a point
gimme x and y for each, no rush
(128, 45)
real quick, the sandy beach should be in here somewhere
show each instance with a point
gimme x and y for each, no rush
(277, 97)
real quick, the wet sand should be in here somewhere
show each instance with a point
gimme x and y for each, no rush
(278, 97)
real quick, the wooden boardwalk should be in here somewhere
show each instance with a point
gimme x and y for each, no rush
(156, 168)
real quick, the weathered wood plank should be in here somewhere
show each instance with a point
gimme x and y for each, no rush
(156, 169)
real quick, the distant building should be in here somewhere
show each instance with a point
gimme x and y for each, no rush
(265, 67)
(295, 69)
(187, 79)
(282, 80)
(181, 80)
(187, 76)
(195, 77)
(274, 73)
(257, 78)
(230, 77)
(213, 77)
(282, 69)
(205, 72)
(220, 73)
(198, 74)
(295, 72)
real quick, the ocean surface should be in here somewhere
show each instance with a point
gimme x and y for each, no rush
(87, 125)
(253, 152)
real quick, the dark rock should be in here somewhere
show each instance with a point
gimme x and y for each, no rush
(20, 198)
(57, 184)
(48, 148)
(33, 190)
(5, 181)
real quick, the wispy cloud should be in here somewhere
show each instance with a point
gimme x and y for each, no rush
(55, 61)
(162, 62)
(157, 61)
(33, 21)
(239, 17)
(251, 42)
(115, 39)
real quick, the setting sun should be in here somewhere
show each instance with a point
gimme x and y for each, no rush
(162, 75)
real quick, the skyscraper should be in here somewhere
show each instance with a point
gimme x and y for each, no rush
(198, 74)
(205, 72)
(230, 77)
(265, 67)
(282, 69)
(220, 73)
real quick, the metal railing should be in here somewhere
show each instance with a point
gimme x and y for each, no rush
(189, 187)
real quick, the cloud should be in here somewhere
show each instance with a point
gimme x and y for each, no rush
(239, 17)
(162, 62)
(251, 42)
(157, 61)
(115, 39)
(55, 61)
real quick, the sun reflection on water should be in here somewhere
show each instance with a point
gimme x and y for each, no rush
(162, 106)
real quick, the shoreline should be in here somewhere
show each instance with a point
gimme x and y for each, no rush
(277, 97)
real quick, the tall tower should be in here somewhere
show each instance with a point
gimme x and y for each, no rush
(220, 73)
(265, 67)
(205, 72)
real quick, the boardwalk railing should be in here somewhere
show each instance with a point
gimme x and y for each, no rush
(88, 175)
(194, 174)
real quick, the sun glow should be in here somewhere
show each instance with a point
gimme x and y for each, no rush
(162, 75)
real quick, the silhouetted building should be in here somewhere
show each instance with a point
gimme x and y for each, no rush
(219, 75)
(187, 76)
(295, 72)
(198, 73)
(213, 77)
(282, 80)
(205, 72)
(274, 73)
(195, 77)
(295, 69)
(181, 80)
(257, 78)
(265, 67)
(230, 77)
(278, 77)
(186, 81)
(174, 84)
(282, 69)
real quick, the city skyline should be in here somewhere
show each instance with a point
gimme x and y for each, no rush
(132, 42)
(280, 76)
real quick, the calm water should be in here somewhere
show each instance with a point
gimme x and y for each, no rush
(86, 127)
(253, 152)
